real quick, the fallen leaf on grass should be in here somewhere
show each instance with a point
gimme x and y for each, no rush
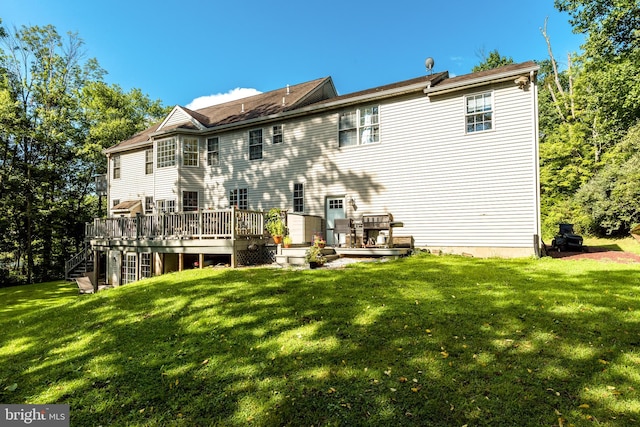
(204, 362)
(584, 406)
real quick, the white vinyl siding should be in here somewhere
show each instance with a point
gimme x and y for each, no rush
(450, 188)
(135, 184)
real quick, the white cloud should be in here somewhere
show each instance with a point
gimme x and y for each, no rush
(219, 98)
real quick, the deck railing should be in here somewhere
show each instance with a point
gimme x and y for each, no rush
(222, 224)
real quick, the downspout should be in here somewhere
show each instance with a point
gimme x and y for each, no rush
(536, 142)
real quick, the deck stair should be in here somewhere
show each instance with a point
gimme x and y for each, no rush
(79, 265)
(295, 255)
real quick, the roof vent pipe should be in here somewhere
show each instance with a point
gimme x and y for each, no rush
(283, 101)
(242, 111)
(288, 91)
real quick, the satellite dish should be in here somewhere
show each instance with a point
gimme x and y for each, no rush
(429, 62)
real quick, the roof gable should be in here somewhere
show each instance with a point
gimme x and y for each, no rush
(181, 117)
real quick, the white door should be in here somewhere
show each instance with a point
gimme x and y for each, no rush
(334, 209)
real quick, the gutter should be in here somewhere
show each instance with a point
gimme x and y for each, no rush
(315, 108)
(479, 81)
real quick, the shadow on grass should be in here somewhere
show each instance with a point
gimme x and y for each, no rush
(420, 341)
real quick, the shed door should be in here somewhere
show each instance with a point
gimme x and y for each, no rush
(334, 209)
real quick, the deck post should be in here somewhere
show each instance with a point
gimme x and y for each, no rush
(233, 237)
(201, 260)
(96, 269)
(180, 261)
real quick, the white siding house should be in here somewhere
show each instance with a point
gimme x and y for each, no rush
(455, 160)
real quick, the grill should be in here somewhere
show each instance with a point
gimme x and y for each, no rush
(377, 229)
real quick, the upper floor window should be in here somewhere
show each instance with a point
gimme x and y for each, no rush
(116, 167)
(255, 144)
(148, 161)
(189, 201)
(239, 198)
(277, 134)
(479, 112)
(213, 151)
(148, 204)
(190, 152)
(166, 153)
(115, 202)
(298, 197)
(359, 127)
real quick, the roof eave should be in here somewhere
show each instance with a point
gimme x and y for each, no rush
(480, 81)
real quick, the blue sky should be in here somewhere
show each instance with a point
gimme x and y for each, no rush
(180, 51)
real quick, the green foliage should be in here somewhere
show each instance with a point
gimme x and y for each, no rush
(493, 60)
(612, 198)
(425, 340)
(585, 112)
(55, 118)
(274, 223)
(611, 27)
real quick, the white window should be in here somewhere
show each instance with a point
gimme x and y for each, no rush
(298, 197)
(213, 151)
(116, 167)
(148, 204)
(145, 265)
(189, 201)
(159, 206)
(171, 205)
(166, 153)
(359, 127)
(148, 161)
(129, 269)
(479, 112)
(255, 144)
(277, 134)
(115, 202)
(190, 152)
(239, 198)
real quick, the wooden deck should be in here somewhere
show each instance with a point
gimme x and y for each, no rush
(219, 224)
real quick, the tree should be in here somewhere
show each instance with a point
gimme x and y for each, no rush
(491, 61)
(611, 200)
(50, 144)
(612, 27)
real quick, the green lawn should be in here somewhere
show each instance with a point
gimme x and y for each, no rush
(424, 340)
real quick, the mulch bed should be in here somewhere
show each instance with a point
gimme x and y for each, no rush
(598, 254)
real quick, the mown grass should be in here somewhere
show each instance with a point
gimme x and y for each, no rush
(424, 340)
